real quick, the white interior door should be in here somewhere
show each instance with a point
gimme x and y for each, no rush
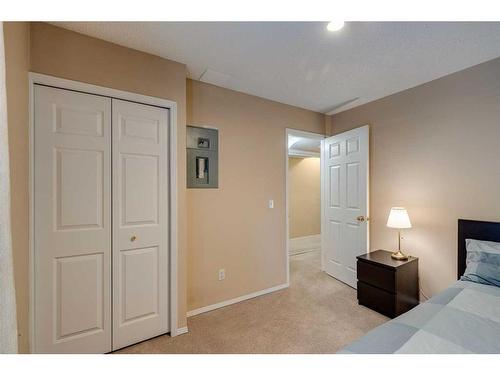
(72, 222)
(140, 222)
(344, 201)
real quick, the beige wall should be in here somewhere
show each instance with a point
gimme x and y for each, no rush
(231, 227)
(16, 35)
(436, 150)
(304, 182)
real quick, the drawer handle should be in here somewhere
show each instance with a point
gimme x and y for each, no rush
(133, 238)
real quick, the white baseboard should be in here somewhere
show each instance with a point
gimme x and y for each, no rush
(305, 244)
(215, 306)
(182, 330)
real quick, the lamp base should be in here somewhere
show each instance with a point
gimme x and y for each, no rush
(399, 255)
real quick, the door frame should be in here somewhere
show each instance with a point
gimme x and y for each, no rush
(47, 80)
(298, 133)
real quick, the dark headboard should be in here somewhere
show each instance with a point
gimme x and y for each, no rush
(477, 230)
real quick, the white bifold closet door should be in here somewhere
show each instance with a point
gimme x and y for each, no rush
(72, 171)
(100, 222)
(140, 227)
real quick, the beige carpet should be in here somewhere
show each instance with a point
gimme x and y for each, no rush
(316, 314)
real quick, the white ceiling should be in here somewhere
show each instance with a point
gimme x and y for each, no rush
(301, 63)
(303, 145)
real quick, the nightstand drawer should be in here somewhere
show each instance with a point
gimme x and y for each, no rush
(376, 299)
(380, 277)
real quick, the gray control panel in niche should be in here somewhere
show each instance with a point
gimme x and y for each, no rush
(202, 157)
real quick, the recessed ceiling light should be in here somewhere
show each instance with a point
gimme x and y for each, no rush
(335, 25)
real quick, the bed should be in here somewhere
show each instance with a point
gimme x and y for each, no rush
(464, 318)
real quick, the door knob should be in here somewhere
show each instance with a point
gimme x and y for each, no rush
(133, 238)
(361, 218)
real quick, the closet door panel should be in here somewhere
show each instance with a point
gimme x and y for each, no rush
(140, 225)
(72, 242)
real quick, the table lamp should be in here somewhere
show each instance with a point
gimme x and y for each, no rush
(398, 218)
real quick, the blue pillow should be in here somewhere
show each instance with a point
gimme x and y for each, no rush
(483, 262)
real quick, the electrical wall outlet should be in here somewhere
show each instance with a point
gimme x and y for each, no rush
(222, 274)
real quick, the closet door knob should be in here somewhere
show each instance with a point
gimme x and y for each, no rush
(133, 238)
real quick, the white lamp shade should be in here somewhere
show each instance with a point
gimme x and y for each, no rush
(398, 218)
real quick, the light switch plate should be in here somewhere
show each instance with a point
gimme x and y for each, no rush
(222, 274)
(271, 203)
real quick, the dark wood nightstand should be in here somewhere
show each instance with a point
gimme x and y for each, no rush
(386, 285)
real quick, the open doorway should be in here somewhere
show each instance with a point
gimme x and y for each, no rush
(327, 191)
(303, 181)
